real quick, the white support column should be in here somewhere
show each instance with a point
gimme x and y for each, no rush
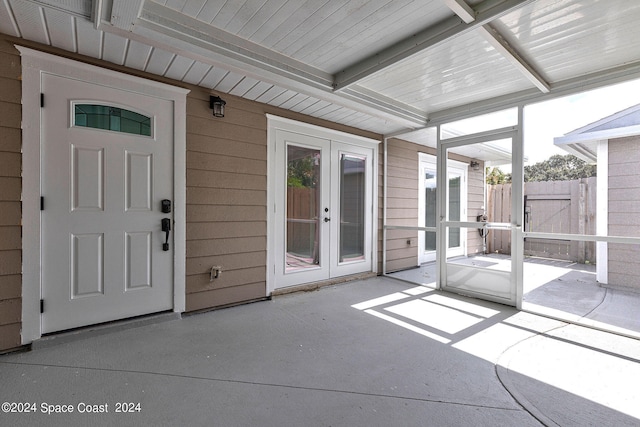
(602, 212)
(441, 213)
(517, 202)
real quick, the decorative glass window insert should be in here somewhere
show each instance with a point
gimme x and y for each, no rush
(111, 118)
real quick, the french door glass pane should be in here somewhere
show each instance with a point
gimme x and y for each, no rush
(303, 193)
(430, 209)
(352, 197)
(454, 210)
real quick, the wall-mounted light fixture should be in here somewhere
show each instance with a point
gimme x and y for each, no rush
(217, 105)
(474, 165)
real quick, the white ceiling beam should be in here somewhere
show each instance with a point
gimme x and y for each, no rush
(623, 73)
(166, 29)
(498, 42)
(462, 9)
(486, 12)
(171, 24)
(125, 13)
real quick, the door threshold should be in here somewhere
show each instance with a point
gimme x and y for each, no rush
(90, 331)
(314, 286)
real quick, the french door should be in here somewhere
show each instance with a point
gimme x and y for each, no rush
(427, 214)
(323, 209)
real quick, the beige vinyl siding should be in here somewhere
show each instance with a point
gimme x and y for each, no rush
(226, 192)
(227, 198)
(624, 212)
(226, 203)
(10, 195)
(402, 203)
(475, 204)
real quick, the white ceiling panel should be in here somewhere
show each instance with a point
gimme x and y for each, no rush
(229, 81)
(380, 65)
(304, 104)
(213, 77)
(272, 93)
(137, 55)
(114, 48)
(258, 90)
(7, 22)
(197, 72)
(192, 8)
(285, 96)
(455, 73)
(312, 110)
(62, 29)
(30, 20)
(243, 86)
(368, 30)
(179, 68)
(89, 41)
(293, 101)
(159, 61)
(562, 37)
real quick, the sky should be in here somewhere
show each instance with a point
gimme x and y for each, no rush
(546, 120)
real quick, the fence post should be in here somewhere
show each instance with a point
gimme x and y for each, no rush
(582, 216)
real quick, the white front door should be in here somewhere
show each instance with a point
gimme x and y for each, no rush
(107, 165)
(323, 209)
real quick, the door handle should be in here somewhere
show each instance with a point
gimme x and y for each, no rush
(166, 227)
(327, 219)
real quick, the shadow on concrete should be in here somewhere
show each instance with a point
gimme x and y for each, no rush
(560, 289)
(376, 352)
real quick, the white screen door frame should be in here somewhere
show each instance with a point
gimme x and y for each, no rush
(332, 256)
(479, 281)
(34, 65)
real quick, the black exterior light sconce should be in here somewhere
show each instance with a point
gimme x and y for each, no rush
(474, 165)
(217, 105)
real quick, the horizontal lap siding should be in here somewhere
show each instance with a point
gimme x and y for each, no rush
(227, 199)
(402, 204)
(226, 203)
(10, 194)
(475, 206)
(226, 192)
(624, 212)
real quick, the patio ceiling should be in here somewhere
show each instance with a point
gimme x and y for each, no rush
(387, 66)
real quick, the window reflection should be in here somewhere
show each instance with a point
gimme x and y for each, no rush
(111, 118)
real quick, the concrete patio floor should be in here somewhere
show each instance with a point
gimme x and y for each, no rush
(376, 352)
(561, 289)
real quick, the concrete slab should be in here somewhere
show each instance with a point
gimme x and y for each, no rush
(376, 352)
(556, 288)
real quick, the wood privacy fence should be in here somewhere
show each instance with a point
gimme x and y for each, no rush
(549, 207)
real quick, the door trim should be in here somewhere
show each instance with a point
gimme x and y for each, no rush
(452, 165)
(34, 64)
(276, 122)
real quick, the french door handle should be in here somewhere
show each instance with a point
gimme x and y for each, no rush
(327, 219)
(166, 227)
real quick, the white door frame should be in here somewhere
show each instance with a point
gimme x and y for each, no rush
(477, 281)
(34, 64)
(452, 166)
(276, 122)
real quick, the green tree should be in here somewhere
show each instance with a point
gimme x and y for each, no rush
(559, 168)
(496, 176)
(302, 173)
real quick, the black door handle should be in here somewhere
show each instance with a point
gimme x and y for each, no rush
(326, 219)
(166, 227)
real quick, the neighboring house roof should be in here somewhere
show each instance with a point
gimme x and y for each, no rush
(583, 142)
